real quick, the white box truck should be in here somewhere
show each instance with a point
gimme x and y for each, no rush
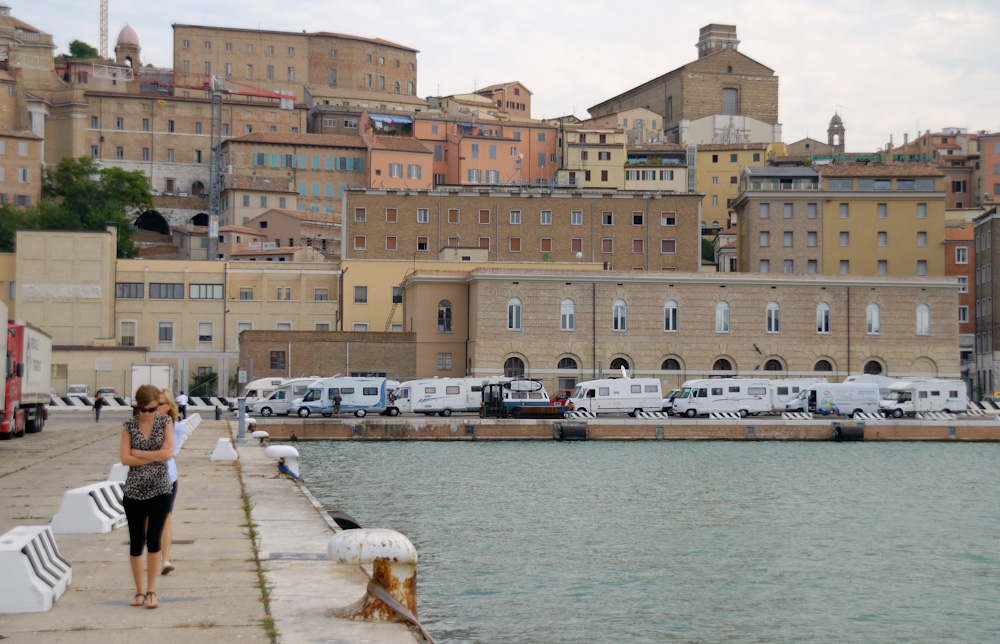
(909, 397)
(786, 390)
(844, 398)
(617, 395)
(744, 396)
(160, 375)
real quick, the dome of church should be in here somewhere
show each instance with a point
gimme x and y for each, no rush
(836, 120)
(128, 36)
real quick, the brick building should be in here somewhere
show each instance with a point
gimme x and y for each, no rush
(630, 231)
(285, 354)
(721, 81)
(562, 326)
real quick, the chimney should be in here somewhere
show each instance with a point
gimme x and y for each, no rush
(906, 138)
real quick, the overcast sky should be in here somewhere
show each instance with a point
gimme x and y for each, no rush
(889, 67)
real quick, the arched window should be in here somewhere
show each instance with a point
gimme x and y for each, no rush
(395, 87)
(567, 363)
(923, 319)
(567, 315)
(619, 313)
(671, 364)
(513, 368)
(197, 188)
(513, 314)
(773, 317)
(873, 368)
(722, 317)
(772, 365)
(722, 365)
(444, 316)
(410, 88)
(822, 318)
(874, 318)
(618, 363)
(670, 316)
(823, 365)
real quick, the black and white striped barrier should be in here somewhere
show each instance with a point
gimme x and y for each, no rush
(34, 573)
(935, 415)
(725, 415)
(653, 415)
(796, 415)
(92, 509)
(580, 414)
(864, 415)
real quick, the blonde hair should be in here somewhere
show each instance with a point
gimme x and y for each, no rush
(172, 412)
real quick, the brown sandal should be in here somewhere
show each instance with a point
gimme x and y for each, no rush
(141, 597)
(150, 604)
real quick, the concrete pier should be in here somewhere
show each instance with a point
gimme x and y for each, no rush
(217, 592)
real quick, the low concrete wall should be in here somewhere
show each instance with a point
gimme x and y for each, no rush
(473, 428)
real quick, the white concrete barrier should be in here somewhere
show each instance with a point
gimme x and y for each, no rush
(262, 436)
(118, 473)
(34, 573)
(92, 509)
(224, 451)
(580, 414)
(650, 415)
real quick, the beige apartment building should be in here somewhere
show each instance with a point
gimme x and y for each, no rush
(592, 158)
(20, 167)
(850, 219)
(563, 327)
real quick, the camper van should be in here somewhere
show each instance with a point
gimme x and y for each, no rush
(258, 389)
(439, 396)
(616, 395)
(744, 396)
(910, 397)
(785, 391)
(280, 400)
(358, 396)
(845, 398)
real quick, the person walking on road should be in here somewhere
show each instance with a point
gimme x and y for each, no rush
(182, 405)
(98, 403)
(147, 443)
(169, 407)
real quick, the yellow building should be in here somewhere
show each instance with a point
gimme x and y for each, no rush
(718, 169)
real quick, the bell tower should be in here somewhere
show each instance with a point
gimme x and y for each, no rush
(835, 135)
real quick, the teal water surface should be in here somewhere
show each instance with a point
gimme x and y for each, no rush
(645, 542)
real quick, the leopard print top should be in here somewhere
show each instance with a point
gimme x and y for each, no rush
(149, 480)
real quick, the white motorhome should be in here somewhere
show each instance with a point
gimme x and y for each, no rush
(358, 396)
(883, 382)
(280, 400)
(744, 396)
(910, 397)
(845, 398)
(258, 389)
(439, 396)
(616, 395)
(784, 391)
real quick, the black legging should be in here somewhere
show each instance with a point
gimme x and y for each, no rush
(156, 510)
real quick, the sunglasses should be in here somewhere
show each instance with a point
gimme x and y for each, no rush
(149, 410)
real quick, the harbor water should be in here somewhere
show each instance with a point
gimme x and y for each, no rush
(654, 541)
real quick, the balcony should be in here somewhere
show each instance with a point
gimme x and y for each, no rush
(784, 184)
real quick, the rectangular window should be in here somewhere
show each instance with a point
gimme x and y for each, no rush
(883, 211)
(921, 267)
(546, 218)
(845, 267)
(607, 218)
(391, 215)
(515, 217)
(515, 244)
(278, 360)
(765, 266)
(921, 210)
(484, 216)
(129, 290)
(576, 218)
(453, 215)
(421, 243)
(765, 238)
(789, 266)
(921, 239)
(788, 238)
(422, 215)
(166, 291)
(205, 291)
(128, 328)
(637, 246)
(390, 242)
(361, 295)
(963, 284)
(963, 314)
(845, 210)
(607, 245)
(883, 267)
(882, 239)
(413, 171)
(545, 244)
(765, 211)
(788, 210)
(165, 332)
(576, 245)
(359, 242)
(961, 255)
(205, 332)
(845, 238)
(360, 214)
(812, 266)
(811, 211)
(246, 292)
(668, 246)
(444, 362)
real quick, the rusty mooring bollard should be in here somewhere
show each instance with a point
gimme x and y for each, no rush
(394, 569)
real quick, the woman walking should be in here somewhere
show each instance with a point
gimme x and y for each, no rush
(168, 406)
(146, 445)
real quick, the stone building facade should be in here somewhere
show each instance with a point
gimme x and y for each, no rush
(629, 231)
(560, 326)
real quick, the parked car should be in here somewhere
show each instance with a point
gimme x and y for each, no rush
(107, 392)
(559, 400)
(78, 391)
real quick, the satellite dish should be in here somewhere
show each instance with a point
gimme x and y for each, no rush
(520, 156)
(579, 255)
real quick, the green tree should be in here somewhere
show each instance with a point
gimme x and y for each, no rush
(707, 250)
(92, 197)
(79, 50)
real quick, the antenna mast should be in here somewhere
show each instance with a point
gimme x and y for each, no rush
(104, 29)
